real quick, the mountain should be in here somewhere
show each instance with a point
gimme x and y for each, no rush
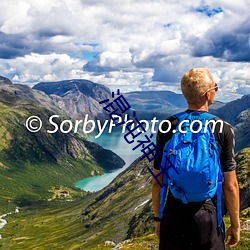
(31, 164)
(4, 80)
(237, 113)
(242, 130)
(216, 105)
(121, 211)
(126, 205)
(77, 97)
(232, 110)
(243, 175)
(159, 104)
(37, 169)
(80, 97)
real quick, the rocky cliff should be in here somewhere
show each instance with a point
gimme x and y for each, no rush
(231, 111)
(77, 97)
(34, 162)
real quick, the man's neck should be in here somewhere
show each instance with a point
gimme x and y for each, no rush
(198, 107)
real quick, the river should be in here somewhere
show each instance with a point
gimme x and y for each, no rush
(114, 141)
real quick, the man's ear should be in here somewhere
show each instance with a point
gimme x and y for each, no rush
(207, 95)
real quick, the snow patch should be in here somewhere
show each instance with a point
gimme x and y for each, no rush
(143, 186)
(4, 222)
(143, 203)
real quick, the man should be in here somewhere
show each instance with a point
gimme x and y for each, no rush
(194, 225)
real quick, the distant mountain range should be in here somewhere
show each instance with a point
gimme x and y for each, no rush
(79, 97)
(159, 104)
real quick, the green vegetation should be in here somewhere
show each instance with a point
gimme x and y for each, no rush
(49, 225)
(150, 242)
(122, 210)
(57, 225)
(32, 163)
(243, 175)
(38, 172)
(244, 235)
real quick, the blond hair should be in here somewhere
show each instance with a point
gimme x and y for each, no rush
(195, 83)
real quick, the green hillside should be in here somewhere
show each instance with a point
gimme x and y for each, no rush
(31, 164)
(121, 212)
(38, 172)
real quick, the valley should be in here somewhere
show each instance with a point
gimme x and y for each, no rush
(38, 171)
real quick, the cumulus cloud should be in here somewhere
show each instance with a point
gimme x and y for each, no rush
(139, 45)
(231, 45)
(35, 68)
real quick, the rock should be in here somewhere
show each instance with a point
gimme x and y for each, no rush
(4, 80)
(77, 97)
(109, 243)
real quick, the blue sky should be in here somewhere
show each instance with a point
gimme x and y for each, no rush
(130, 45)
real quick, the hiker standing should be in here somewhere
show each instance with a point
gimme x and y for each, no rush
(193, 170)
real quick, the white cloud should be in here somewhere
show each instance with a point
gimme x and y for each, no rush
(141, 45)
(35, 68)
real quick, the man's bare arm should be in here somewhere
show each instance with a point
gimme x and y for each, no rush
(156, 188)
(156, 192)
(232, 200)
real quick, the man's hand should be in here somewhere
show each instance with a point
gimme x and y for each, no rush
(157, 228)
(232, 200)
(233, 234)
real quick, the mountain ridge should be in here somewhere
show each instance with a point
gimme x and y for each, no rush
(4, 80)
(58, 159)
(77, 97)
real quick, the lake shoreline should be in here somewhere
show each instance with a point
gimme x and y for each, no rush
(116, 143)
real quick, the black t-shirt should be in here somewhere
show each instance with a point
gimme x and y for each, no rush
(224, 138)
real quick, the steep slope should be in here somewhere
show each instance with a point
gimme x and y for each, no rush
(32, 163)
(232, 110)
(77, 97)
(4, 80)
(120, 211)
(127, 206)
(237, 114)
(106, 215)
(242, 130)
(243, 175)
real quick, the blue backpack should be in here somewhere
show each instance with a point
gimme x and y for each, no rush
(191, 162)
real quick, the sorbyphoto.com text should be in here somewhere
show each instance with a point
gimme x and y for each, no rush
(87, 126)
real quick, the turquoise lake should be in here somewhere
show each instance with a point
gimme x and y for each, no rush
(114, 141)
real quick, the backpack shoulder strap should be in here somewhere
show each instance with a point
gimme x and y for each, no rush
(208, 116)
(182, 115)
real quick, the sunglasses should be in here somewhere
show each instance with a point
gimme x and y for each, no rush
(216, 87)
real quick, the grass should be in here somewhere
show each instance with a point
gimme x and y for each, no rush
(29, 175)
(51, 225)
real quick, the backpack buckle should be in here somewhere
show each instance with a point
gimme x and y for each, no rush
(172, 152)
